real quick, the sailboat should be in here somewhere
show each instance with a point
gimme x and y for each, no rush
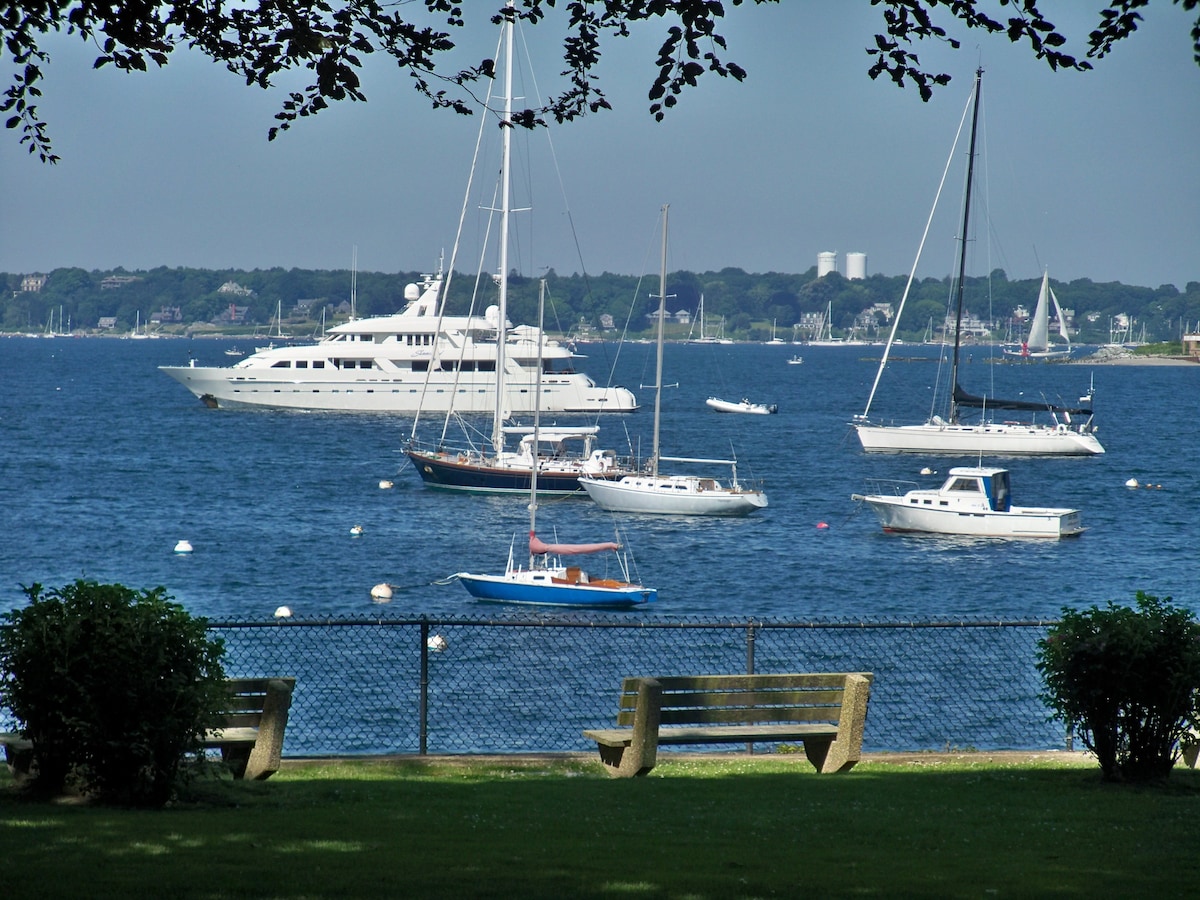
(1071, 431)
(547, 581)
(652, 492)
(138, 334)
(1038, 345)
(823, 333)
(718, 337)
(552, 452)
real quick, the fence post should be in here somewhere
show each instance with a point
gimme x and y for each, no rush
(423, 694)
(750, 639)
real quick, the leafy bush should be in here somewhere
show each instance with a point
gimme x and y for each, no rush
(113, 686)
(1126, 681)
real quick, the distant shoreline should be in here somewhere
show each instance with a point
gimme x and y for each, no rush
(1136, 361)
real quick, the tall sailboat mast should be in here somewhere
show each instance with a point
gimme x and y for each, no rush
(662, 314)
(501, 411)
(537, 421)
(962, 250)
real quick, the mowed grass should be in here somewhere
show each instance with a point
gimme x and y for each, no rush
(767, 826)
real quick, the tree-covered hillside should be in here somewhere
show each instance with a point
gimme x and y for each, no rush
(189, 300)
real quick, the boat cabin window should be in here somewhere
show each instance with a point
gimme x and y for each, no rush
(487, 365)
(282, 364)
(1000, 493)
(302, 364)
(970, 485)
(420, 365)
(557, 367)
(318, 364)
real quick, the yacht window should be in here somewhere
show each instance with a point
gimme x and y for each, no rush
(420, 365)
(447, 365)
(965, 484)
(487, 365)
(318, 364)
(467, 365)
(282, 364)
(301, 364)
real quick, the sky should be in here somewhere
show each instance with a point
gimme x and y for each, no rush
(1091, 175)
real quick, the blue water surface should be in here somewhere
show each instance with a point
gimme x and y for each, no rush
(107, 464)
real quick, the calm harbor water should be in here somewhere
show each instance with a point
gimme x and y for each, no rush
(108, 463)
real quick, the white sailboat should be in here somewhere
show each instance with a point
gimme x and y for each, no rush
(138, 334)
(686, 495)
(1070, 431)
(1038, 344)
(823, 332)
(717, 337)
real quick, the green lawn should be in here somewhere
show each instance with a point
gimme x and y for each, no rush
(756, 827)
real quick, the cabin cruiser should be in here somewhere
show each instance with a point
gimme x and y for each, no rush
(974, 501)
(408, 362)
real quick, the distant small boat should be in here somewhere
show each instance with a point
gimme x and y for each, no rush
(795, 360)
(234, 351)
(742, 406)
(974, 501)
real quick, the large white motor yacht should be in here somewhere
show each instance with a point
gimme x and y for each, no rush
(411, 361)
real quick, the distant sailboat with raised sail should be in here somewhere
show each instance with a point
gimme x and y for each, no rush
(1070, 431)
(1038, 345)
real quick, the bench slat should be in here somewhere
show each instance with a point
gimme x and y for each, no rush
(729, 734)
(739, 715)
(744, 682)
(724, 697)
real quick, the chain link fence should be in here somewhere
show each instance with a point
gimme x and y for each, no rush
(529, 684)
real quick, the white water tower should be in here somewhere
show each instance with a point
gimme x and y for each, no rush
(856, 265)
(826, 263)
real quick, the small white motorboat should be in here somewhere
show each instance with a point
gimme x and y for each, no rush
(796, 360)
(742, 406)
(973, 501)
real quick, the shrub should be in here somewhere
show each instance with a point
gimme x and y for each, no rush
(1126, 681)
(113, 687)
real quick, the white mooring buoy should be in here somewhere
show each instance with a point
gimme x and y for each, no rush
(183, 547)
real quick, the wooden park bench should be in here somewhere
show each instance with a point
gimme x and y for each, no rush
(250, 737)
(825, 711)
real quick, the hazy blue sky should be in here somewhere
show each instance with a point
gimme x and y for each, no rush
(1092, 175)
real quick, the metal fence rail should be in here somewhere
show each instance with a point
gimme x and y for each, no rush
(529, 684)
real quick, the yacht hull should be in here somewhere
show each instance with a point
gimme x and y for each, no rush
(539, 588)
(227, 388)
(895, 514)
(678, 495)
(997, 439)
(452, 472)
